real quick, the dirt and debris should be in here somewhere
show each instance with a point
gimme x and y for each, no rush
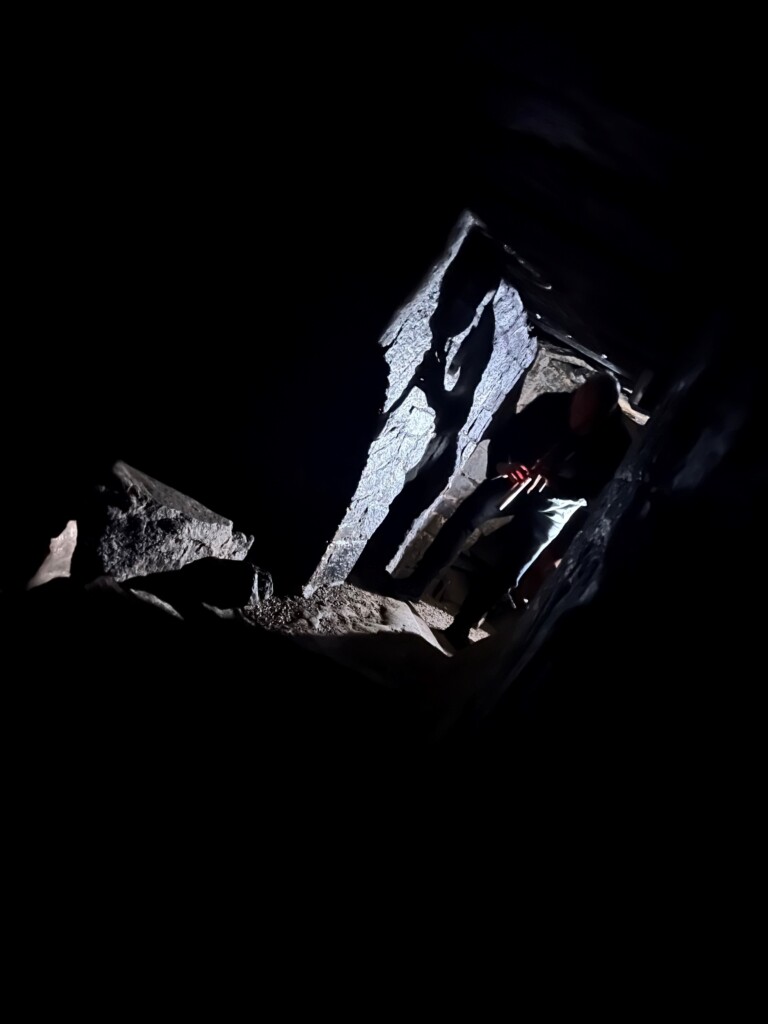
(345, 609)
(437, 618)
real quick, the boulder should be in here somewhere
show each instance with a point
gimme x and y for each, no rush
(135, 525)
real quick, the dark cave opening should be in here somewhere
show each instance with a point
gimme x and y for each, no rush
(256, 342)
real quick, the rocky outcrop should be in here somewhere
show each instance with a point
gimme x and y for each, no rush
(136, 525)
(454, 353)
(512, 352)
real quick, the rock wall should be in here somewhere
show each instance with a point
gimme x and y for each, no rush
(453, 354)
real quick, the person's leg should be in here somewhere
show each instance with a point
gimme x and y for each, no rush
(524, 539)
(481, 506)
(485, 591)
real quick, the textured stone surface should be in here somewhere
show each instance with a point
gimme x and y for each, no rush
(554, 369)
(408, 420)
(454, 352)
(409, 336)
(136, 525)
(558, 369)
(394, 452)
(513, 351)
(460, 347)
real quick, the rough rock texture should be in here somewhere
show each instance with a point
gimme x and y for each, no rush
(407, 428)
(338, 611)
(396, 450)
(454, 353)
(409, 336)
(345, 609)
(394, 643)
(513, 351)
(558, 369)
(136, 525)
(553, 369)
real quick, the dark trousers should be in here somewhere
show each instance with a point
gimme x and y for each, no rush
(533, 522)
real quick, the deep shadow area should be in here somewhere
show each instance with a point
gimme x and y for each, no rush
(204, 279)
(222, 334)
(205, 246)
(147, 716)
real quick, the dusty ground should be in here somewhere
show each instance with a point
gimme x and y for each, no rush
(385, 639)
(344, 610)
(437, 618)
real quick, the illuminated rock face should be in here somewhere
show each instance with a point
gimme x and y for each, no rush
(453, 354)
(136, 525)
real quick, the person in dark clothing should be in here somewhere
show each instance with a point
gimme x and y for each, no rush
(554, 456)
